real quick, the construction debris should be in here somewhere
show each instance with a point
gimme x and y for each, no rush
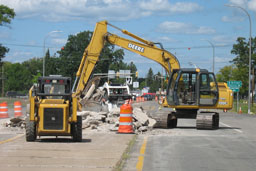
(14, 122)
(109, 121)
(102, 121)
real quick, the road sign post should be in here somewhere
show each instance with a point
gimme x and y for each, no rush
(235, 86)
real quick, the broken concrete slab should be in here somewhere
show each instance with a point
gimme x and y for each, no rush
(140, 116)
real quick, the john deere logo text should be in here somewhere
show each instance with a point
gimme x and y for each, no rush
(135, 47)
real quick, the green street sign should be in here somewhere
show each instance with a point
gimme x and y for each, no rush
(235, 90)
(234, 84)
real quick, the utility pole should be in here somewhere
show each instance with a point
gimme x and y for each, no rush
(250, 53)
(253, 85)
(2, 80)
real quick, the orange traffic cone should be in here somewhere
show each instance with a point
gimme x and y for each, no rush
(125, 119)
(225, 110)
(4, 110)
(240, 110)
(17, 109)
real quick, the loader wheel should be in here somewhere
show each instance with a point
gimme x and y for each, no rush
(30, 131)
(77, 130)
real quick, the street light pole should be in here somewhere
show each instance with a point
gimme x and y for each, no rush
(250, 54)
(213, 54)
(47, 35)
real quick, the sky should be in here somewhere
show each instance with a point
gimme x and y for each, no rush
(185, 28)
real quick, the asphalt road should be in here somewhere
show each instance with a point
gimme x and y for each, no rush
(230, 148)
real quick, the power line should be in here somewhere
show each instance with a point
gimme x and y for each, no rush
(199, 47)
(184, 47)
(26, 45)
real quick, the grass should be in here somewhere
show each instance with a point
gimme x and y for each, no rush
(10, 101)
(244, 106)
(120, 164)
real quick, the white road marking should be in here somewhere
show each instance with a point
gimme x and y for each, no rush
(237, 130)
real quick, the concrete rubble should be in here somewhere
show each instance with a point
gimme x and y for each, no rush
(109, 121)
(102, 121)
(14, 122)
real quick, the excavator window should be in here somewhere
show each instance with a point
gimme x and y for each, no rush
(171, 94)
(187, 89)
(208, 90)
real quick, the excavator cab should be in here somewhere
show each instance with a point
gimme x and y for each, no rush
(192, 88)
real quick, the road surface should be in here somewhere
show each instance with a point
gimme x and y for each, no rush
(97, 152)
(230, 148)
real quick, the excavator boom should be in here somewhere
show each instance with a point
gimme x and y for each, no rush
(100, 35)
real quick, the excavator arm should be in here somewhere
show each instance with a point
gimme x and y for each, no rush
(143, 47)
(161, 56)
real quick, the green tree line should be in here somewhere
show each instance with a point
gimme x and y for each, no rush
(21, 76)
(239, 68)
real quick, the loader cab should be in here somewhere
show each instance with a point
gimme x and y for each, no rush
(189, 87)
(54, 87)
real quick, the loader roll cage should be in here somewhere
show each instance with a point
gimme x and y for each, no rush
(54, 87)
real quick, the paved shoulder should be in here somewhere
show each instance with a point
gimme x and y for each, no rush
(98, 151)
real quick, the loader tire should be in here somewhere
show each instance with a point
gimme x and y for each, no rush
(77, 130)
(30, 131)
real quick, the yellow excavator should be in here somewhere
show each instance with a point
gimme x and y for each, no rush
(53, 104)
(188, 90)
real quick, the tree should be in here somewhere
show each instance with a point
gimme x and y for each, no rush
(241, 61)
(149, 77)
(14, 71)
(52, 64)
(34, 66)
(3, 51)
(70, 56)
(6, 15)
(225, 74)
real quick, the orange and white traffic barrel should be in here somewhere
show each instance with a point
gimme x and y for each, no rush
(4, 110)
(17, 109)
(125, 119)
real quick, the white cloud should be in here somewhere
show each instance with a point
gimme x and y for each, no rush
(59, 10)
(178, 27)
(167, 39)
(5, 35)
(239, 2)
(18, 56)
(223, 39)
(165, 6)
(234, 18)
(222, 59)
(252, 5)
(59, 41)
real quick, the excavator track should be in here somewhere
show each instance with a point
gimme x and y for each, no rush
(164, 119)
(207, 120)
(161, 118)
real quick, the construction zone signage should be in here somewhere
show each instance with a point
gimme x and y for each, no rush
(135, 47)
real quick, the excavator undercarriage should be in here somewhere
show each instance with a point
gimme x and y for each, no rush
(167, 119)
